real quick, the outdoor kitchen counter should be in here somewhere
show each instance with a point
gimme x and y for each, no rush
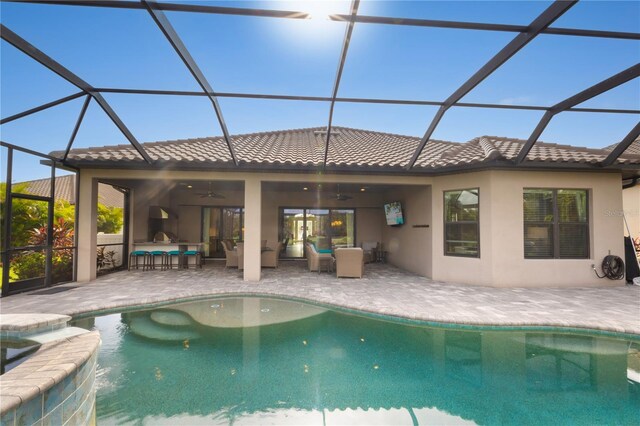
(182, 246)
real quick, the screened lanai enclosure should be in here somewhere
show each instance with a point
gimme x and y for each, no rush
(435, 76)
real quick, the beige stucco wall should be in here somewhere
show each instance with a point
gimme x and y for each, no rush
(421, 250)
(502, 262)
(409, 247)
(631, 205)
(369, 224)
(143, 195)
(87, 227)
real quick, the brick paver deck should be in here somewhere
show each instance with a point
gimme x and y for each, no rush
(383, 290)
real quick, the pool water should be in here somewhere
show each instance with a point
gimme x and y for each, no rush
(14, 352)
(267, 361)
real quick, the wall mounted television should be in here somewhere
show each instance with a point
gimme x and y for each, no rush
(393, 213)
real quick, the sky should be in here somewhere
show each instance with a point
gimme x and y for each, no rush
(124, 49)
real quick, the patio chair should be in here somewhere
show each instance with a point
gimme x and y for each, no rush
(230, 254)
(313, 257)
(349, 262)
(269, 258)
(240, 251)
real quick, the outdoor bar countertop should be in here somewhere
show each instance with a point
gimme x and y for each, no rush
(165, 245)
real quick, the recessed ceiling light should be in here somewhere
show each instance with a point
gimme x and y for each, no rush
(305, 189)
(189, 186)
(362, 189)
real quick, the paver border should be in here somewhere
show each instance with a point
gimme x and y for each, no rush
(470, 325)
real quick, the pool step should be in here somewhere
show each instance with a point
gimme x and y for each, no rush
(63, 333)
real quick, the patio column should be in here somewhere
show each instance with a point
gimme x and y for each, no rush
(87, 227)
(252, 228)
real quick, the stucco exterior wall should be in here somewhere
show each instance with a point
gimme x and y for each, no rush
(421, 249)
(502, 262)
(143, 195)
(369, 224)
(410, 247)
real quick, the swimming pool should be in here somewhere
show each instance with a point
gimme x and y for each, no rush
(270, 361)
(14, 352)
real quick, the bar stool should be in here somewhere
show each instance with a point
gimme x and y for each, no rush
(192, 253)
(163, 259)
(137, 254)
(170, 256)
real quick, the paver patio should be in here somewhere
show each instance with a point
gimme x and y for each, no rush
(384, 290)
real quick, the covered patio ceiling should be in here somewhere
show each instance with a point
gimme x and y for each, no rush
(202, 186)
(540, 26)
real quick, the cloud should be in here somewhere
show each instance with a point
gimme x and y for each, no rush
(518, 100)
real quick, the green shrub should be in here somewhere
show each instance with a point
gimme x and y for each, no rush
(29, 264)
(109, 219)
(29, 227)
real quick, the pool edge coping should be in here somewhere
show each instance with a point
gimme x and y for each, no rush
(46, 368)
(394, 317)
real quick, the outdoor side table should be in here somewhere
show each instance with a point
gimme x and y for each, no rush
(327, 262)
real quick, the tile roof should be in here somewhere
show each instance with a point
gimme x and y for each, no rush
(633, 149)
(66, 190)
(352, 148)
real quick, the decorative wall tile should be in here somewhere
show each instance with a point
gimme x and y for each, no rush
(30, 412)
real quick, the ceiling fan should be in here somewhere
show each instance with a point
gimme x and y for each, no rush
(341, 197)
(210, 193)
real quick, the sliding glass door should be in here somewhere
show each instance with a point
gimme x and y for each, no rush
(343, 228)
(218, 224)
(292, 230)
(325, 228)
(319, 233)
